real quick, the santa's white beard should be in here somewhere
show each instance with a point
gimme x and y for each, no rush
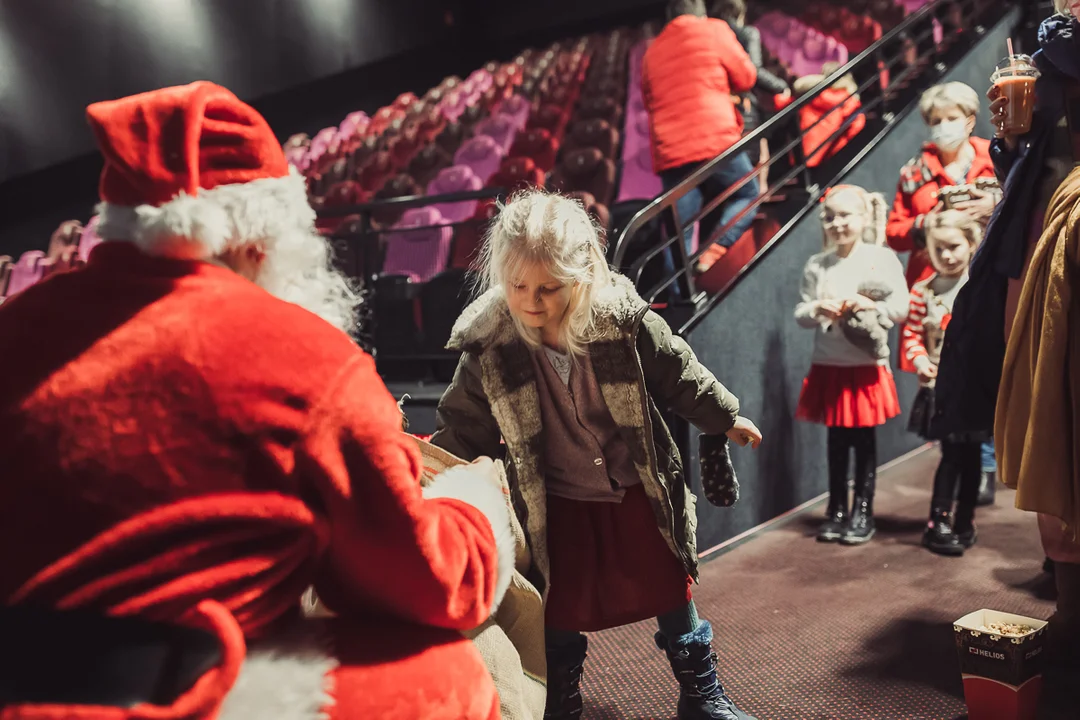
(298, 268)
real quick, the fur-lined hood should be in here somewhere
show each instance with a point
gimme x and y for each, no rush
(486, 321)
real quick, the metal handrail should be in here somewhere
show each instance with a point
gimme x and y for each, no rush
(793, 145)
(703, 309)
(782, 120)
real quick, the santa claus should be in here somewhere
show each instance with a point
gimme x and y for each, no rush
(189, 439)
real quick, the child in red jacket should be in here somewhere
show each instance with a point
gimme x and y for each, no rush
(952, 237)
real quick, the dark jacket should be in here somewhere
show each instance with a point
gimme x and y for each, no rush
(767, 83)
(642, 369)
(973, 351)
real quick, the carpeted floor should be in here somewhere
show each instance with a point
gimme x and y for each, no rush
(809, 631)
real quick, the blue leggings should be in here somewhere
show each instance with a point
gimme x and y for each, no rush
(989, 463)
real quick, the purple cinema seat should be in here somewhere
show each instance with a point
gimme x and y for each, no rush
(321, 143)
(298, 157)
(482, 80)
(26, 271)
(809, 59)
(517, 108)
(418, 253)
(453, 105)
(836, 51)
(500, 128)
(456, 178)
(639, 182)
(353, 123)
(796, 36)
(482, 154)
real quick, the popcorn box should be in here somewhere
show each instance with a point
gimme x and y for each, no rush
(1002, 673)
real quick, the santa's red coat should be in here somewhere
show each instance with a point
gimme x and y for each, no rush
(152, 398)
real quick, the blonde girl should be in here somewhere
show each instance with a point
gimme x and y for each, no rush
(951, 239)
(566, 364)
(849, 389)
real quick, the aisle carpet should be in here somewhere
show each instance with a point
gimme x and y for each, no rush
(808, 631)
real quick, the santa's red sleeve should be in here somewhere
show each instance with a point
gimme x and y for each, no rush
(442, 556)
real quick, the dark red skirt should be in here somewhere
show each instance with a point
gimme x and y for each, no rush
(610, 565)
(862, 396)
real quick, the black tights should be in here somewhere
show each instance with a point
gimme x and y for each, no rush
(841, 442)
(961, 462)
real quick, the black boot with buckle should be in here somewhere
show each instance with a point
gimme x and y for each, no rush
(836, 516)
(860, 528)
(565, 665)
(701, 696)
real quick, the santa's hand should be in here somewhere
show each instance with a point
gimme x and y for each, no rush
(744, 433)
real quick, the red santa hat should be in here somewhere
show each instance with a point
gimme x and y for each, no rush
(191, 172)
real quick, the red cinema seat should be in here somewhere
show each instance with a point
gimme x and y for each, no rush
(517, 173)
(537, 144)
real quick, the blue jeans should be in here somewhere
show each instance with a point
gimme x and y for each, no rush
(989, 462)
(726, 175)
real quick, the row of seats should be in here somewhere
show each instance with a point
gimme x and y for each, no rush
(565, 137)
(69, 248)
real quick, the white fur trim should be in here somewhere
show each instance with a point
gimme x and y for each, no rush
(464, 483)
(204, 225)
(287, 676)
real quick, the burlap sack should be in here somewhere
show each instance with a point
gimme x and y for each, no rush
(512, 641)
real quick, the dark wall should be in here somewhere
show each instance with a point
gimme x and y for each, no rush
(750, 340)
(61, 56)
(304, 64)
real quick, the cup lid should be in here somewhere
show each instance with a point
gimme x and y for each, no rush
(1016, 66)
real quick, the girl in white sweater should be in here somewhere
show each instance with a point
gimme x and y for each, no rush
(856, 281)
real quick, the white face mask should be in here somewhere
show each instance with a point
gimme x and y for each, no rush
(949, 135)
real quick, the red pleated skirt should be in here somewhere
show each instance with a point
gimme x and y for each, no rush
(861, 396)
(610, 565)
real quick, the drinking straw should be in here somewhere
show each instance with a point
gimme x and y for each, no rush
(1012, 56)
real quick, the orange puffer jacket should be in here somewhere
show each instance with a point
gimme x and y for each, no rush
(688, 76)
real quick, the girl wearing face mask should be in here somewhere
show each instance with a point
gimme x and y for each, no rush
(849, 390)
(951, 157)
(951, 238)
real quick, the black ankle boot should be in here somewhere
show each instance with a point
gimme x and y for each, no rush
(701, 696)
(860, 527)
(987, 489)
(939, 536)
(836, 519)
(964, 525)
(565, 665)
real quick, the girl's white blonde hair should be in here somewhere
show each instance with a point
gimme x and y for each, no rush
(877, 212)
(537, 227)
(956, 220)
